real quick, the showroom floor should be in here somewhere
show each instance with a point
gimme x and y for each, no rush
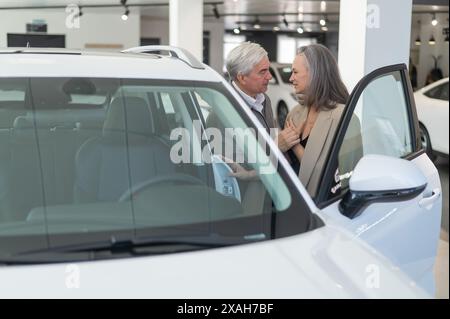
(442, 264)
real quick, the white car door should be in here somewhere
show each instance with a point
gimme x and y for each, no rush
(403, 223)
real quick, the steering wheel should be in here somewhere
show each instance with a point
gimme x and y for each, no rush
(176, 177)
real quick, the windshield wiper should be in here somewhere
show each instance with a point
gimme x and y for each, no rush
(140, 246)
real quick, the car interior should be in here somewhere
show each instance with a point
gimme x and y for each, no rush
(94, 148)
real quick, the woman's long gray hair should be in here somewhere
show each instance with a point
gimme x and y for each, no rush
(326, 88)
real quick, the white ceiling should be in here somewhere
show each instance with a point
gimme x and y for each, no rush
(230, 7)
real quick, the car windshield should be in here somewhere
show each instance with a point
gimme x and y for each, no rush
(285, 73)
(86, 160)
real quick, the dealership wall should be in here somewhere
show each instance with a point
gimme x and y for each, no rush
(97, 29)
(421, 55)
(157, 27)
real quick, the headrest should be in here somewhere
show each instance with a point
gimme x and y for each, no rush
(47, 97)
(136, 112)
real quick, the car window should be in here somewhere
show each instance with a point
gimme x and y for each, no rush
(274, 79)
(444, 92)
(379, 125)
(285, 74)
(151, 164)
(439, 92)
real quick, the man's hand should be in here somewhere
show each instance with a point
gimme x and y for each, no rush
(238, 171)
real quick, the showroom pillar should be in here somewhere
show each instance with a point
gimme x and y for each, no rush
(372, 34)
(186, 25)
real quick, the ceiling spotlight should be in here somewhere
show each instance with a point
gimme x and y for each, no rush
(300, 30)
(323, 22)
(434, 21)
(125, 15)
(216, 12)
(257, 24)
(236, 30)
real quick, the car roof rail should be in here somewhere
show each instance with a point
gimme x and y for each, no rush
(175, 52)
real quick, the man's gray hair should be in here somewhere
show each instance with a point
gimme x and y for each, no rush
(243, 58)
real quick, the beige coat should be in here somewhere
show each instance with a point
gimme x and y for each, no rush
(319, 144)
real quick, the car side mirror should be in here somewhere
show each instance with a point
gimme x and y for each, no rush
(379, 178)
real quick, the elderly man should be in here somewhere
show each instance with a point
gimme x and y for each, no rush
(248, 66)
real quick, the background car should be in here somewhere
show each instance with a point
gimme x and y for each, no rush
(109, 166)
(280, 91)
(432, 110)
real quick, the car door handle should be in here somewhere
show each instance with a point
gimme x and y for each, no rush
(427, 201)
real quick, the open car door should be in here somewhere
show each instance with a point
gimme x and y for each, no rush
(386, 190)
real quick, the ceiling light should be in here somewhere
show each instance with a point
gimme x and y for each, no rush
(236, 31)
(300, 30)
(323, 22)
(324, 28)
(276, 28)
(125, 15)
(434, 21)
(256, 25)
(432, 41)
(323, 6)
(418, 42)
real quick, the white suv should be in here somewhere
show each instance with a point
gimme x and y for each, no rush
(280, 91)
(112, 181)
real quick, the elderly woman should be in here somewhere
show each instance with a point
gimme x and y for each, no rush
(315, 76)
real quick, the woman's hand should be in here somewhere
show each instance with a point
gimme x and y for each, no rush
(298, 130)
(287, 138)
(298, 149)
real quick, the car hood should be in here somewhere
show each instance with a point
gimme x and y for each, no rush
(325, 263)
